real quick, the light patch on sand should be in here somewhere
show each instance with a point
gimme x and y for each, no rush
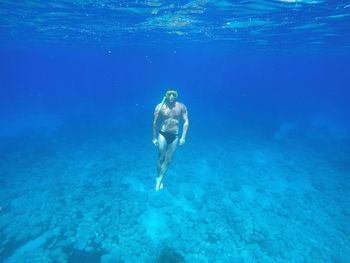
(204, 173)
(154, 222)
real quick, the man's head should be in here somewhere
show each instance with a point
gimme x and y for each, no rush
(171, 95)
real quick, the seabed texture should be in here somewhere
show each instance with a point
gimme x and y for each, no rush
(82, 194)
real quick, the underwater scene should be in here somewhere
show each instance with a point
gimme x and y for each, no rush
(175, 131)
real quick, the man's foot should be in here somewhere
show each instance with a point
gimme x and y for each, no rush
(159, 187)
(159, 184)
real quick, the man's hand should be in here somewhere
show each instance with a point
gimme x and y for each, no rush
(155, 142)
(182, 141)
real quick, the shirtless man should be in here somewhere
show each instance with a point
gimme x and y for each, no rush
(169, 112)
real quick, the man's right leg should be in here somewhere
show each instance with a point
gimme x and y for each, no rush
(162, 146)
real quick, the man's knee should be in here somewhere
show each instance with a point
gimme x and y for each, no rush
(161, 158)
(169, 159)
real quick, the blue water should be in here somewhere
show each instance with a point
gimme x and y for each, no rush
(264, 175)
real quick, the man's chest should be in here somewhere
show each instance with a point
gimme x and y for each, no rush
(174, 112)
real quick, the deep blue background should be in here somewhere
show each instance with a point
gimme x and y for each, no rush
(222, 85)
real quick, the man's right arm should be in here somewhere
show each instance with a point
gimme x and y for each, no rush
(154, 126)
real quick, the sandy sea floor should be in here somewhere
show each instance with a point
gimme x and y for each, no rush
(88, 196)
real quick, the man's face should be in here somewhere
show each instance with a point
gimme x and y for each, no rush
(171, 96)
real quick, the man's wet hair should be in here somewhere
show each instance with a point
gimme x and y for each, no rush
(171, 89)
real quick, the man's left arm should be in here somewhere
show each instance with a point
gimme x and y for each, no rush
(185, 125)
